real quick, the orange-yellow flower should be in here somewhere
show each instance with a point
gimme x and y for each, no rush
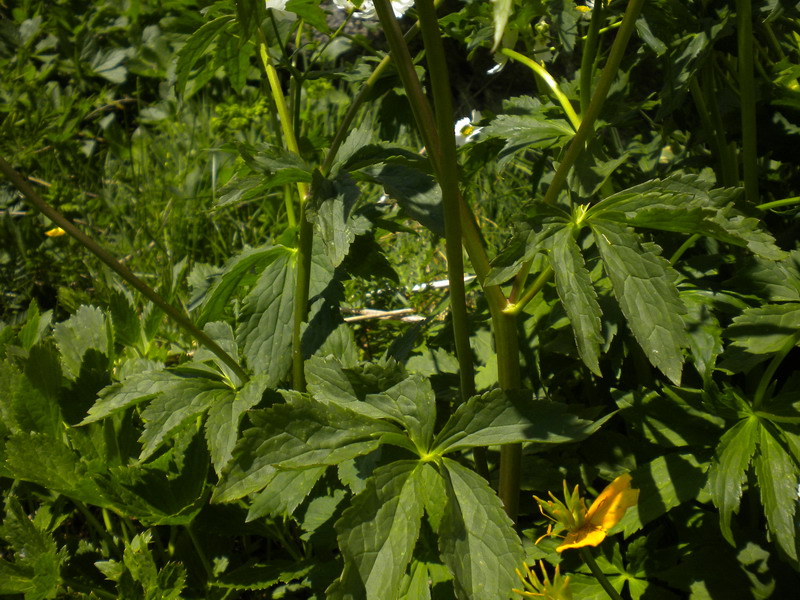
(589, 527)
(55, 232)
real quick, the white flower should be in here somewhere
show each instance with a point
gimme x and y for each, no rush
(465, 130)
(276, 4)
(367, 10)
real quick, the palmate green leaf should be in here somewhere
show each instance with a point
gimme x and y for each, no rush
(522, 131)
(222, 424)
(170, 490)
(378, 532)
(266, 333)
(687, 204)
(777, 477)
(284, 492)
(25, 407)
(577, 294)
(766, 329)
(48, 462)
(663, 484)
(503, 417)
(411, 404)
(187, 398)
(36, 557)
(644, 285)
(300, 434)
(240, 271)
(195, 47)
(329, 209)
(86, 330)
(476, 538)
(529, 239)
(36, 325)
(311, 12)
(133, 390)
(415, 190)
(729, 469)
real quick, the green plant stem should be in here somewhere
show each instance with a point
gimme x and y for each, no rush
(588, 558)
(504, 326)
(690, 241)
(779, 203)
(588, 57)
(717, 142)
(766, 377)
(358, 101)
(92, 520)
(530, 293)
(306, 235)
(89, 590)
(727, 151)
(747, 97)
(551, 83)
(201, 554)
(177, 315)
(607, 78)
(586, 128)
(448, 181)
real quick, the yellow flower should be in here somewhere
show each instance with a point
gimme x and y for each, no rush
(557, 589)
(589, 527)
(55, 232)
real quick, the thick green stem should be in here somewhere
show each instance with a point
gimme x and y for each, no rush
(588, 558)
(120, 269)
(551, 83)
(503, 325)
(448, 181)
(747, 97)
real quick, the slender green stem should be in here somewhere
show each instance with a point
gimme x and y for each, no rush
(730, 175)
(448, 181)
(96, 525)
(201, 554)
(120, 269)
(303, 258)
(586, 129)
(89, 590)
(588, 558)
(551, 83)
(690, 241)
(779, 203)
(747, 97)
(588, 58)
(530, 293)
(607, 78)
(766, 377)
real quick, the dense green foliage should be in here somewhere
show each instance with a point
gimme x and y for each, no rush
(222, 417)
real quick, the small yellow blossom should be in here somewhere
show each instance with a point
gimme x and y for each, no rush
(557, 589)
(588, 527)
(55, 232)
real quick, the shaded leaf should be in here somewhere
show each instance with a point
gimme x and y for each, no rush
(499, 417)
(300, 434)
(378, 532)
(476, 538)
(729, 469)
(578, 296)
(644, 285)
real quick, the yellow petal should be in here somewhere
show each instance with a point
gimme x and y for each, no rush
(606, 511)
(585, 535)
(55, 232)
